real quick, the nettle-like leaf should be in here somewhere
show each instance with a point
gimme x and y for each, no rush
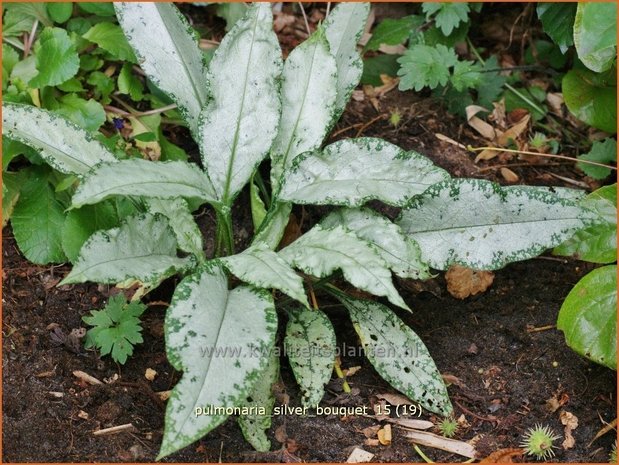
(352, 171)
(400, 252)
(142, 248)
(168, 52)
(588, 317)
(319, 252)
(239, 123)
(479, 224)
(343, 28)
(309, 92)
(183, 224)
(595, 35)
(447, 15)
(398, 354)
(601, 152)
(222, 340)
(423, 65)
(64, 145)
(310, 347)
(163, 180)
(596, 243)
(261, 267)
(261, 399)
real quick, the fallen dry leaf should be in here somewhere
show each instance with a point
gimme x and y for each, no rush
(463, 282)
(555, 102)
(359, 455)
(570, 421)
(503, 456)
(411, 423)
(395, 399)
(352, 370)
(371, 442)
(513, 132)
(454, 446)
(449, 140)
(483, 128)
(509, 175)
(605, 429)
(370, 431)
(83, 415)
(555, 402)
(384, 435)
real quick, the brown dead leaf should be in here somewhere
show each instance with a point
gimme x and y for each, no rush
(557, 401)
(570, 421)
(371, 442)
(483, 128)
(509, 175)
(555, 102)
(352, 370)
(370, 431)
(513, 132)
(395, 399)
(463, 282)
(384, 435)
(411, 423)
(503, 456)
(451, 379)
(292, 232)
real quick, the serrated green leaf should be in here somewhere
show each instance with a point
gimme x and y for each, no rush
(102, 83)
(352, 171)
(319, 252)
(595, 35)
(244, 110)
(393, 31)
(129, 84)
(343, 29)
(37, 221)
(591, 97)
(56, 58)
(447, 15)
(310, 347)
(400, 252)
(88, 114)
(514, 223)
(254, 425)
(63, 144)
(558, 21)
(80, 224)
(60, 12)
(261, 267)
(596, 243)
(162, 180)
(601, 152)
(168, 52)
(466, 75)
(215, 372)
(588, 317)
(398, 354)
(182, 222)
(423, 66)
(110, 37)
(142, 248)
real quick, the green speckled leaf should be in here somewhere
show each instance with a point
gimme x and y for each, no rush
(398, 354)
(400, 252)
(588, 317)
(254, 424)
(310, 347)
(479, 224)
(163, 180)
(261, 267)
(596, 243)
(142, 248)
(319, 252)
(63, 144)
(352, 171)
(343, 28)
(222, 340)
(274, 224)
(167, 50)
(240, 122)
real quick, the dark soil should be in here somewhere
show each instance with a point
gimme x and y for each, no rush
(502, 373)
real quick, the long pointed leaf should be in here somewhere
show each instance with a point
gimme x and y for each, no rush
(222, 341)
(240, 122)
(352, 171)
(163, 180)
(168, 52)
(477, 223)
(63, 144)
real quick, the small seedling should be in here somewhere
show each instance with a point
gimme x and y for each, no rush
(448, 427)
(395, 118)
(117, 328)
(538, 442)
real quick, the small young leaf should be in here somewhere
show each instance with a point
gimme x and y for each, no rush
(217, 371)
(596, 243)
(352, 171)
(56, 58)
(588, 317)
(447, 15)
(142, 248)
(319, 252)
(64, 145)
(261, 267)
(398, 354)
(601, 152)
(466, 75)
(400, 252)
(558, 22)
(110, 38)
(515, 223)
(423, 66)
(595, 35)
(310, 347)
(162, 180)
(60, 12)
(129, 84)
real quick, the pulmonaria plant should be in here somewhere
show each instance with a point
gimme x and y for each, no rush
(247, 106)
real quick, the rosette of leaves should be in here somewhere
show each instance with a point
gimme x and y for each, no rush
(246, 106)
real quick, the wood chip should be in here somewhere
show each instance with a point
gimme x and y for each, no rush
(463, 282)
(503, 456)
(83, 415)
(114, 430)
(56, 394)
(449, 140)
(395, 399)
(454, 446)
(370, 431)
(359, 455)
(150, 374)
(509, 175)
(86, 377)
(164, 395)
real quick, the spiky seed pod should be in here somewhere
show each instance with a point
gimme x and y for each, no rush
(448, 427)
(612, 458)
(538, 441)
